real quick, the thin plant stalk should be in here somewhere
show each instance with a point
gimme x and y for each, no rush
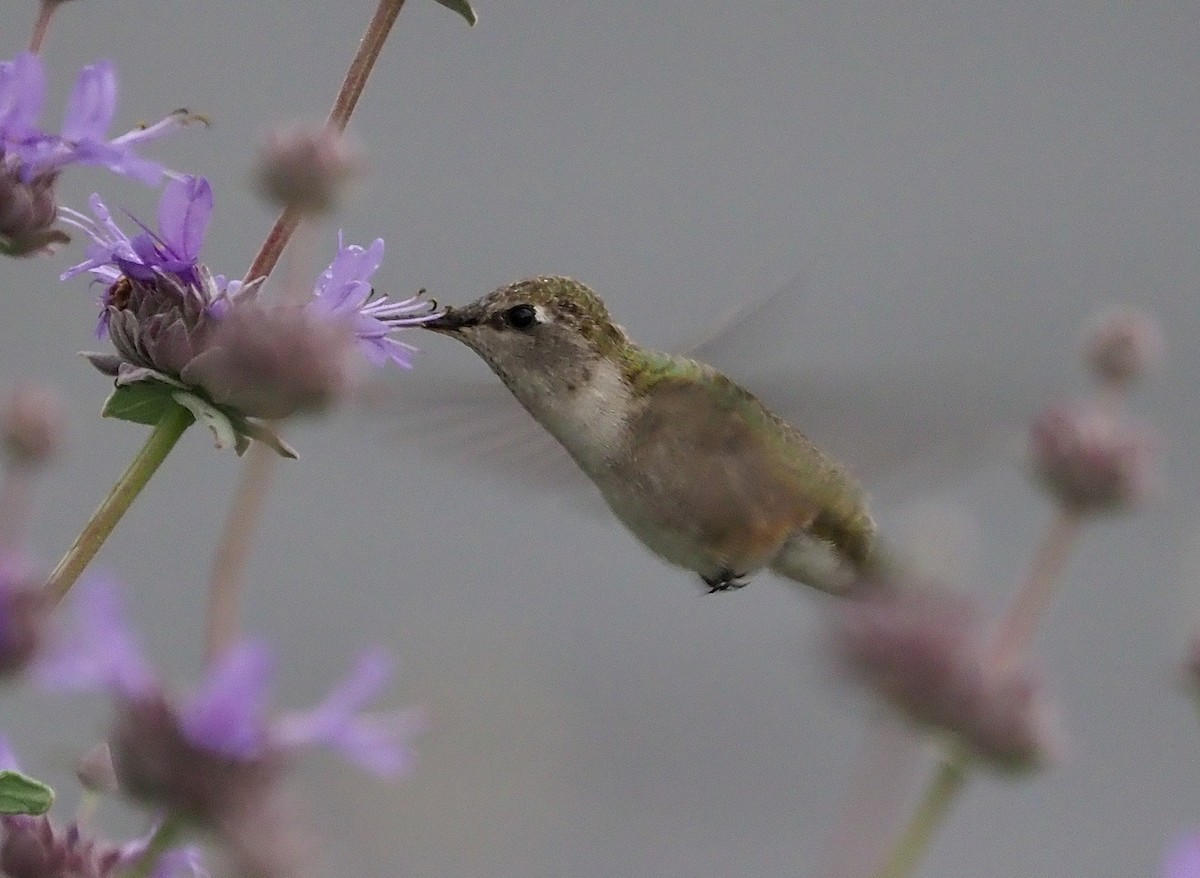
(1016, 632)
(347, 99)
(158, 445)
(41, 27)
(885, 772)
(233, 551)
(951, 776)
(1039, 589)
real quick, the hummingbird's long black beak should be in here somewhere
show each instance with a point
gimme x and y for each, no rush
(448, 322)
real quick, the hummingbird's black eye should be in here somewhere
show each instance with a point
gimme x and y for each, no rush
(521, 316)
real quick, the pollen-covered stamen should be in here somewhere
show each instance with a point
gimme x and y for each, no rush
(117, 296)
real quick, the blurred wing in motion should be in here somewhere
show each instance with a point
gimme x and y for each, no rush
(478, 424)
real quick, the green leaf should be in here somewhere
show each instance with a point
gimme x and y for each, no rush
(144, 402)
(20, 794)
(463, 8)
(224, 433)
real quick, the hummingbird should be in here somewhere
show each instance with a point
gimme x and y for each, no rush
(693, 464)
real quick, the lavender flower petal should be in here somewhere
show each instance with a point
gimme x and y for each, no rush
(1183, 859)
(8, 759)
(92, 103)
(228, 713)
(377, 743)
(99, 650)
(344, 291)
(22, 94)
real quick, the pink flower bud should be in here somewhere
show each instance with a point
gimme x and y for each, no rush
(32, 425)
(1121, 345)
(306, 166)
(924, 652)
(1090, 461)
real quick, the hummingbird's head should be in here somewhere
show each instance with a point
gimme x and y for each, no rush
(544, 333)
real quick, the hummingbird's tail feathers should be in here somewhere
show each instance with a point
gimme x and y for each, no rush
(816, 562)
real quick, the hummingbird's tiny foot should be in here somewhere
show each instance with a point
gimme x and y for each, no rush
(725, 580)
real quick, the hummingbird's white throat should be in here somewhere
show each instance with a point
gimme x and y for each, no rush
(591, 420)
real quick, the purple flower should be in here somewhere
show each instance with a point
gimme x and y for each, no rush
(173, 251)
(1183, 858)
(162, 306)
(31, 158)
(215, 757)
(34, 847)
(84, 137)
(189, 754)
(344, 291)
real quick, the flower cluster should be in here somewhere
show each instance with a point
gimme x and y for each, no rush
(173, 321)
(32, 846)
(1088, 455)
(924, 652)
(214, 758)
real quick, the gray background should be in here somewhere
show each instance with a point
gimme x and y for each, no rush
(960, 185)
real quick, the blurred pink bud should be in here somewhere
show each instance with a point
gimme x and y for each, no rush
(306, 166)
(1121, 345)
(924, 652)
(32, 425)
(276, 362)
(95, 771)
(1090, 461)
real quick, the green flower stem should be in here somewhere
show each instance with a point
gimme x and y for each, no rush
(935, 803)
(162, 439)
(164, 838)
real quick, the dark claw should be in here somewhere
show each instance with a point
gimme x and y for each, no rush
(726, 580)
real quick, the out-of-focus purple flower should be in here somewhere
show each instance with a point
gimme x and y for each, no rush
(31, 158)
(33, 847)
(924, 652)
(1090, 461)
(344, 291)
(218, 747)
(276, 362)
(1182, 859)
(31, 151)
